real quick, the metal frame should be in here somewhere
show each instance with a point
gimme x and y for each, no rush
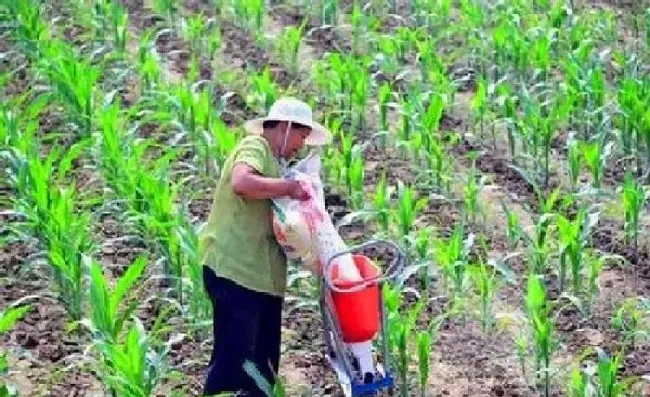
(336, 351)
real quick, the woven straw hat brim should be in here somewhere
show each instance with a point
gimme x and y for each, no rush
(319, 135)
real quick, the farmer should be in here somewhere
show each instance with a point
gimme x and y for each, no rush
(244, 268)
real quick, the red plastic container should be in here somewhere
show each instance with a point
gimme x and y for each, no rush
(357, 312)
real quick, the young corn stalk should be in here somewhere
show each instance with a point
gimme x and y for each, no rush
(573, 239)
(400, 329)
(264, 91)
(51, 212)
(355, 178)
(513, 231)
(107, 317)
(487, 285)
(135, 365)
(288, 46)
(73, 81)
(631, 320)
(384, 97)
(381, 201)
(451, 256)
(167, 9)
(574, 162)
(633, 197)
(408, 208)
(471, 194)
(8, 318)
(538, 310)
(595, 156)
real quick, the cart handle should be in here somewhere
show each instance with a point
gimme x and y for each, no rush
(393, 270)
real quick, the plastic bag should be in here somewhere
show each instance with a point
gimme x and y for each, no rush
(304, 228)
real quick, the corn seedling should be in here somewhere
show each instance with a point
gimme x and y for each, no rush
(451, 255)
(382, 203)
(574, 162)
(134, 365)
(633, 197)
(265, 92)
(106, 320)
(288, 46)
(355, 178)
(384, 98)
(423, 342)
(73, 81)
(8, 318)
(573, 239)
(31, 32)
(168, 9)
(408, 208)
(400, 330)
(486, 285)
(631, 320)
(513, 231)
(538, 310)
(595, 155)
(276, 388)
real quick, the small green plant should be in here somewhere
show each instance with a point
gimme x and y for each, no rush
(8, 318)
(573, 238)
(631, 320)
(382, 203)
(544, 343)
(486, 284)
(408, 208)
(633, 197)
(288, 46)
(451, 255)
(106, 319)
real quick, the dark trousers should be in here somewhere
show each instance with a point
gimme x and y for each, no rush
(246, 326)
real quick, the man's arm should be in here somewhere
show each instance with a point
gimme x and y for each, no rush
(248, 184)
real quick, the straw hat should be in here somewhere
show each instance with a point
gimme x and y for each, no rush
(295, 111)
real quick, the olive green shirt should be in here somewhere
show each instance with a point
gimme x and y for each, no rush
(237, 241)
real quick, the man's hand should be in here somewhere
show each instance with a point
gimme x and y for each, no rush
(297, 191)
(248, 184)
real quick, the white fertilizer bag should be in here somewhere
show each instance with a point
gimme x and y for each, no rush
(304, 228)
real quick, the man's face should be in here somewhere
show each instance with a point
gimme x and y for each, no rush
(296, 140)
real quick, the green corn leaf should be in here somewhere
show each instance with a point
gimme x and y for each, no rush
(126, 282)
(9, 317)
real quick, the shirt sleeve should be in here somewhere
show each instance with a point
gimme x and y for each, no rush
(253, 154)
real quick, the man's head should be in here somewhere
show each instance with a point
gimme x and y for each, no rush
(288, 126)
(286, 138)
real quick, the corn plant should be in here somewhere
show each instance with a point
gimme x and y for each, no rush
(51, 213)
(275, 389)
(595, 156)
(633, 198)
(381, 200)
(408, 208)
(249, 15)
(573, 238)
(471, 194)
(148, 64)
(264, 91)
(73, 81)
(8, 318)
(400, 329)
(574, 162)
(384, 98)
(513, 231)
(106, 320)
(479, 104)
(538, 311)
(452, 256)
(487, 285)
(631, 320)
(31, 32)
(119, 27)
(135, 365)
(288, 46)
(167, 9)
(355, 178)
(423, 342)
